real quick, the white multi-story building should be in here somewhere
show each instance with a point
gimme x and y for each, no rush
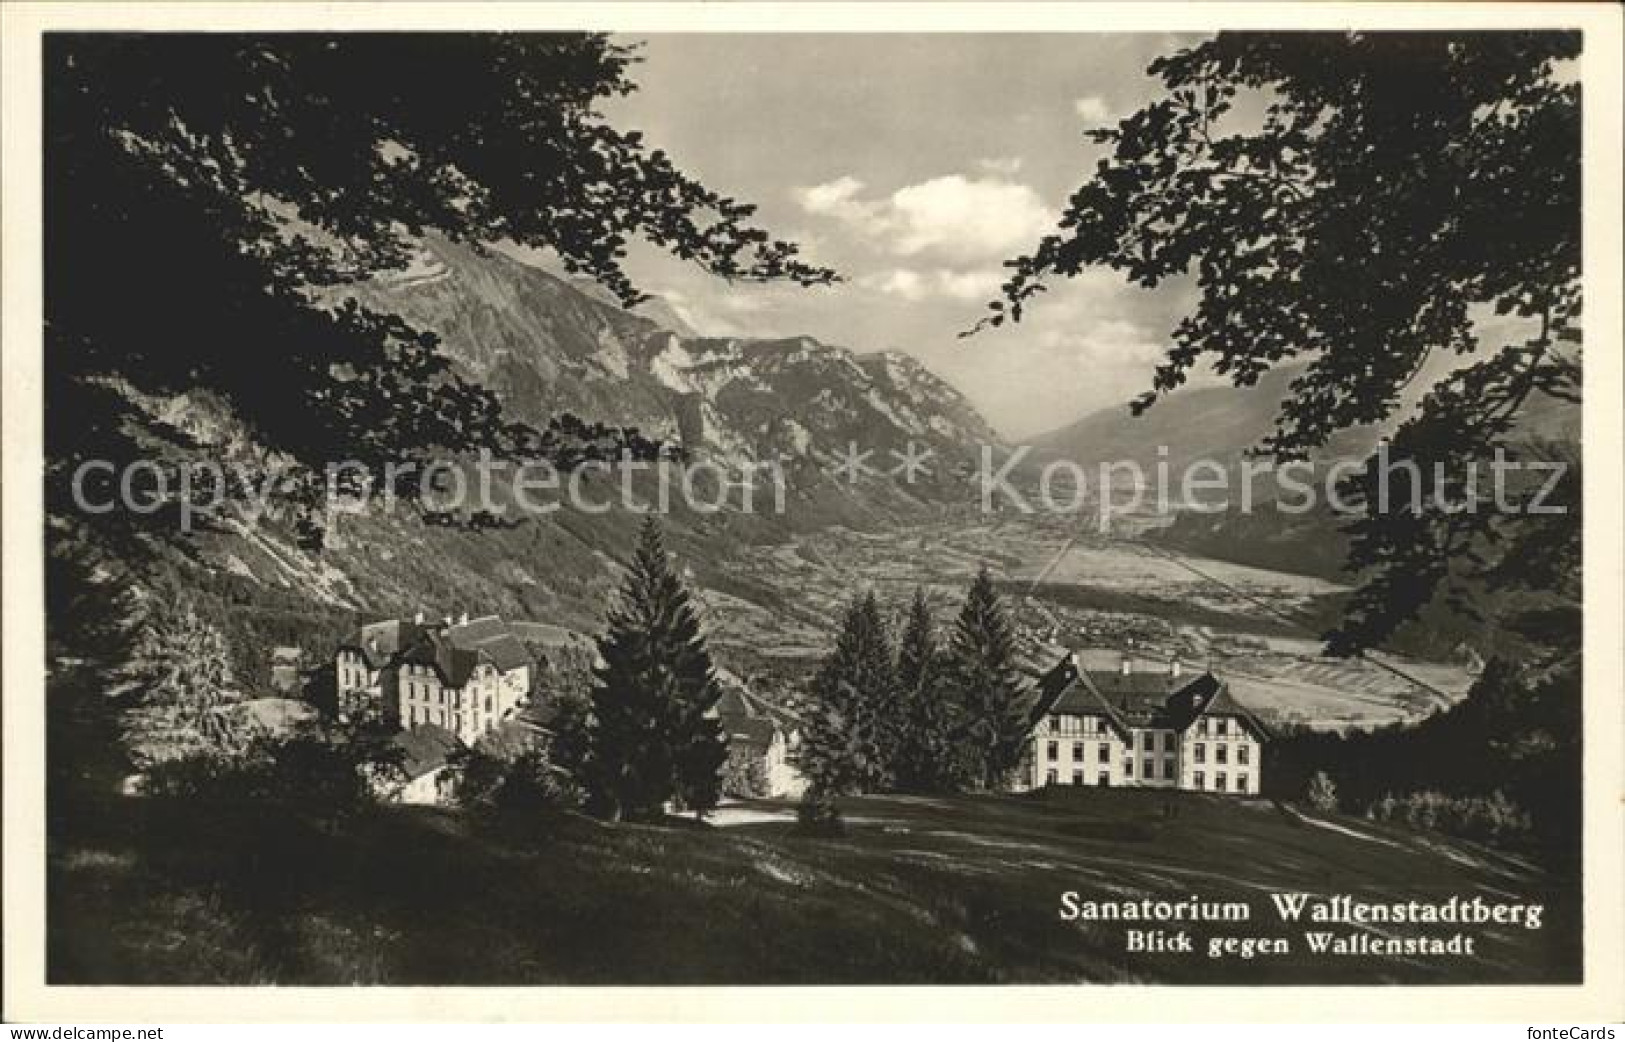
(467, 676)
(1158, 728)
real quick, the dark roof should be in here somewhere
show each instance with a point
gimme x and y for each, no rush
(539, 714)
(425, 748)
(491, 637)
(740, 702)
(378, 642)
(1136, 699)
(455, 650)
(758, 731)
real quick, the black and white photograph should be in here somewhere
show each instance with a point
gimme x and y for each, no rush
(574, 505)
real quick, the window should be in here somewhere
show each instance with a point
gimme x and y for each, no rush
(1103, 779)
(1167, 741)
(1201, 752)
(1168, 769)
(1149, 742)
(1221, 726)
(412, 717)
(1049, 778)
(1218, 782)
(1105, 755)
(1201, 727)
(1241, 783)
(1243, 753)
(1221, 753)
(1150, 769)
(1055, 725)
(1077, 777)
(1128, 766)
(1198, 780)
(1053, 751)
(1077, 750)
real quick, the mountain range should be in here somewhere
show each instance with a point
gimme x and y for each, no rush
(549, 345)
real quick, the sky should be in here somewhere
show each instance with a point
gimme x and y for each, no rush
(914, 165)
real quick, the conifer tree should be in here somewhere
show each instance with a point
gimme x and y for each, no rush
(926, 759)
(181, 665)
(981, 670)
(651, 740)
(847, 746)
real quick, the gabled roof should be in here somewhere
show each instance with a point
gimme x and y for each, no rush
(1137, 699)
(492, 638)
(456, 650)
(425, 748)
(747, 716)
(378, 642)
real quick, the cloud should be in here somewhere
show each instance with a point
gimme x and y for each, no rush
(1092, 108)
(837, 198)
(1004, 166)
(952, 218)
(695, 315)
(912, 285)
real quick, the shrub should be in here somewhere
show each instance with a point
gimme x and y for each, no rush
(528, 785)
(1322, 793)
(818, 815)
(1493, 818)
(744, 775)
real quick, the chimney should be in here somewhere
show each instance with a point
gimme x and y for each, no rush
(1127, 666)
(1174, 667)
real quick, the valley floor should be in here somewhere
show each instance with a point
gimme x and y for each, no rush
(961, 890)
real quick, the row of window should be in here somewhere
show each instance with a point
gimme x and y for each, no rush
(1066, 724)
(1198, 779)
(414, 691)
(1103, 754)
(440, 717)
(1221, 753)
(1168, 770)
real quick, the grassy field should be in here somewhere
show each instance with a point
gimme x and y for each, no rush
(918, 891)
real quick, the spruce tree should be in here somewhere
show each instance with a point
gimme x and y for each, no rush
(852, 723)
(926, 759)
(181, 665)
(651, 740)
(981, 671)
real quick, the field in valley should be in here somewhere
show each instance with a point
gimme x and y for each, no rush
(1254, 627)
(963, 890)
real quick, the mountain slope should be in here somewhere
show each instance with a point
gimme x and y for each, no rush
(548, 347)
(1217, 423)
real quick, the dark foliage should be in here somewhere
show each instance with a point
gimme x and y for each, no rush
(1517, 733)
(1396, 181)
(980, 670)
(208, 193)
(848, 745)
(651, 741)
(926, 756)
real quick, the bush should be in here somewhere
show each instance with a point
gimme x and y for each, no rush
(744, 775)
(311, 772)
(1322, 793)
(528, 785)
(817, 815)
(1492, 819)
